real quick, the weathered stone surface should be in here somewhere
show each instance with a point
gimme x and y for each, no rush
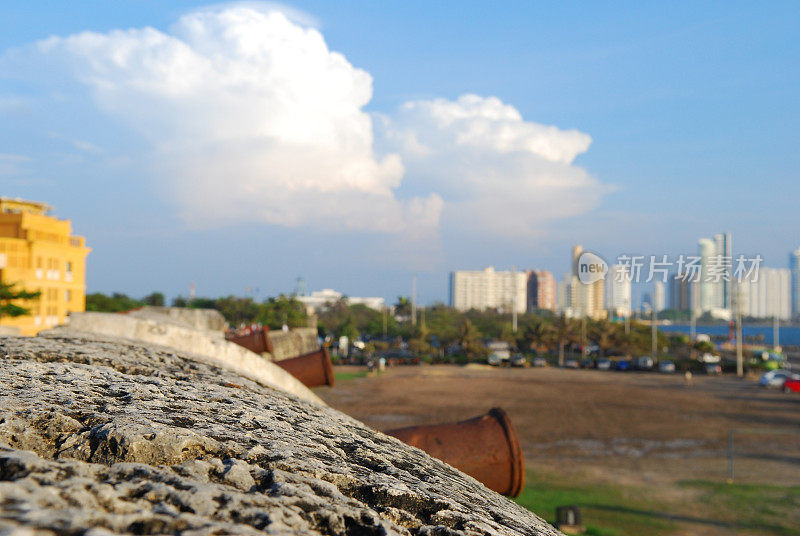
(101, 437)
(176, 335)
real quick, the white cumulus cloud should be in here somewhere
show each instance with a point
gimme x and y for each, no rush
(251, 118)
(499, 174)
(248, 116)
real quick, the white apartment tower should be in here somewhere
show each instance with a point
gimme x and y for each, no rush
(618, 283)
(706, 249)
(659, 296)
(722, 242)
(767, 294)
(488, 289)
(563, 294)
(715, 284)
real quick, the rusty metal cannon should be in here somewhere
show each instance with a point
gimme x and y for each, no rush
(486, 448)
(313, 369)
(256, 340)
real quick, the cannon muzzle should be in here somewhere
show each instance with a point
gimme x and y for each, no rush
(311, 369)
(486, 448)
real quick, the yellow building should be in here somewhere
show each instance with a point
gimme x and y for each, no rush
(38, 252)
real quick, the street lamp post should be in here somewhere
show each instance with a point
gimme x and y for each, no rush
(654, 334)
(739, 356)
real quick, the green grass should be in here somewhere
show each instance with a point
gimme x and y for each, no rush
(759, 508)
(607, 510)
(341, 376)
(611, 510)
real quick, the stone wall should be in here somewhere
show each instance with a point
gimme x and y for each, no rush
(210, 321)
(8, 331)
(114, 437)
(288, 344)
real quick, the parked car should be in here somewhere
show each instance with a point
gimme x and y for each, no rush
(774, 378)
(604, 364)
(519, 360)
(587, 363)
(499, 353)
(666, 366)
(792, 384)
(623, 365)
(571, 363)
(539, 362)
(644, 362)
(713, 369)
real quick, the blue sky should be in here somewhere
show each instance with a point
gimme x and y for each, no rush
(692, 109)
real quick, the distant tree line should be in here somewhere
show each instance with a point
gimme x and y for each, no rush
(440, 332)
(118, 302)
(273, 312)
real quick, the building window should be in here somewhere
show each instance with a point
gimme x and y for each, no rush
(68, 296)
(69, 266)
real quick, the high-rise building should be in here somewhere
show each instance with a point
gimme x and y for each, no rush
(39, 253)
(541, 290)
(563, 293)
(577, 295)
(681, 291)
(618, 284)
(794, 268)
(716, 273)
(488, 289)
(706, 249)
(585, 299)
(724, 249)
(659, 296)
(766, 294)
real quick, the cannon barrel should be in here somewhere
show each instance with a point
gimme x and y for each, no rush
(256, 341)
(485, 447)
(312, 369)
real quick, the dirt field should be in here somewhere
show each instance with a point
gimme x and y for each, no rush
(637, 432)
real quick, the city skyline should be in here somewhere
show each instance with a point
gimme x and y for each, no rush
(716, 280)
(633, 125)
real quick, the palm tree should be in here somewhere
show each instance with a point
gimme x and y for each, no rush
(622, 340)
(468, 339)
(507, 335)
(563, 332)
(638, 340)
(536, 334)
(602, 332)
(403, 307)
